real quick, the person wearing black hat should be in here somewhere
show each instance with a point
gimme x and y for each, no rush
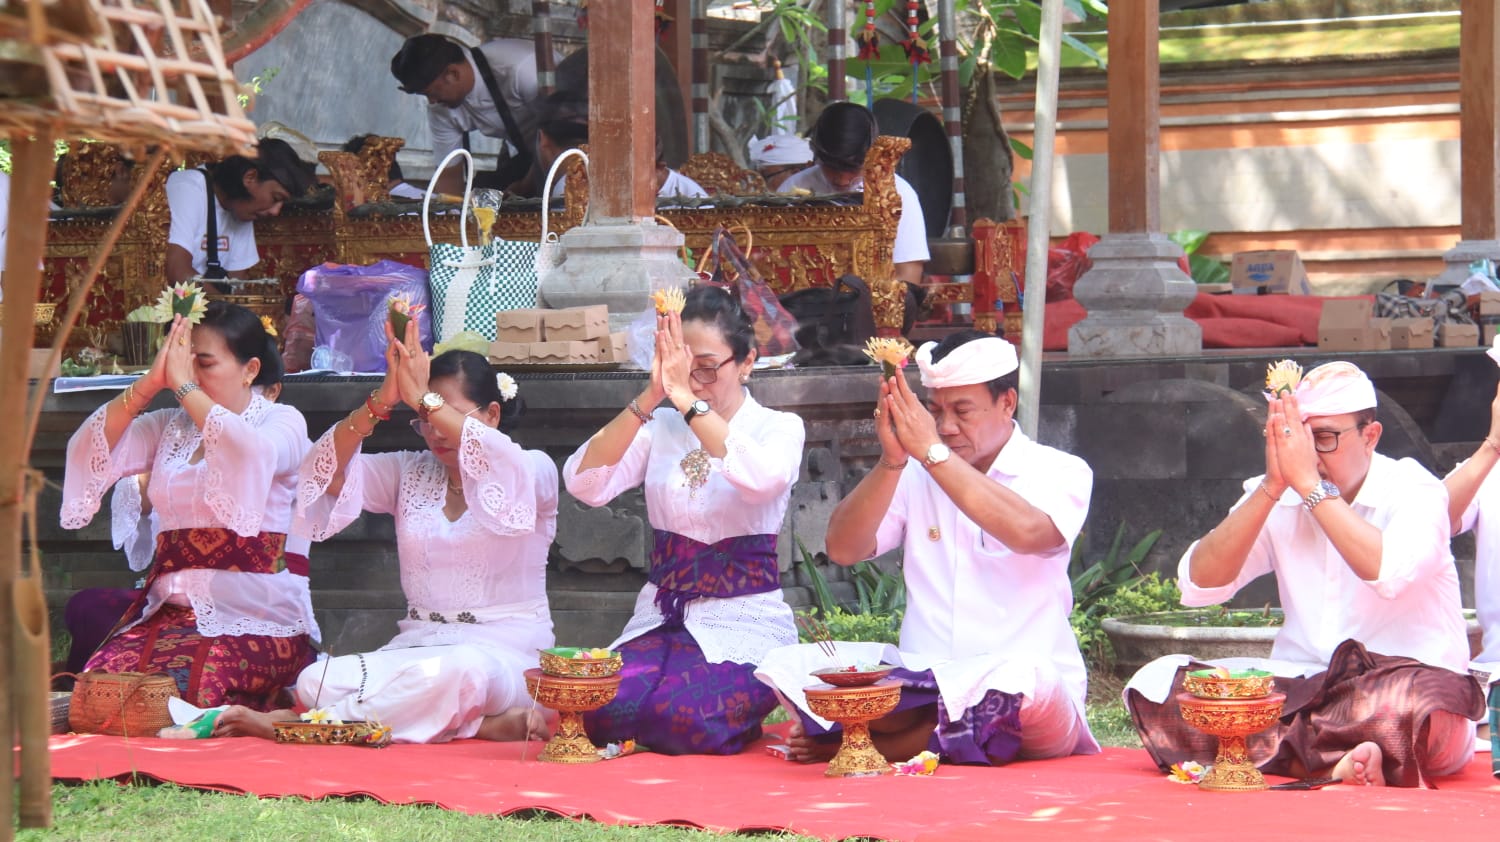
(490, 89)
(843, 134)
(214, 210)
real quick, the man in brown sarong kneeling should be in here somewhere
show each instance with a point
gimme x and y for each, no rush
(1373, 656)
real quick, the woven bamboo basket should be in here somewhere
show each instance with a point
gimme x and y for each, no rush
(124, 704)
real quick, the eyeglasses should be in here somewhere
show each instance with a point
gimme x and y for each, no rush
(1327, 441)
(709, 374)
(424, 429)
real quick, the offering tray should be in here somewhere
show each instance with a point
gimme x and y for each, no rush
(354, 733)
(564, 662)
(852, 676)
(1232, 720)
(571, 697)
(854, 708)
(1226, 684)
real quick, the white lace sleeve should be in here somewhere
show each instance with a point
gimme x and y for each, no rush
(371, 483)
(598, 486)
(763, 468)
(242, 459)
(129, 530)
(499, 483)
(92, 467)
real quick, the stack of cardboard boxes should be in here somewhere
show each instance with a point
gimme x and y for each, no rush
(1349, 324)
(554, 337)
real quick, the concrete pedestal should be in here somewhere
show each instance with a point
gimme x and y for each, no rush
(1135, 294)
(1457, 260)
(618, 264)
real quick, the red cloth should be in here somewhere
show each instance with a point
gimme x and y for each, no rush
(1228, 321)
(1116, 795)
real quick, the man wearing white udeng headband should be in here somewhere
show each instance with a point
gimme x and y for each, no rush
(1373, 656)
(986, 518)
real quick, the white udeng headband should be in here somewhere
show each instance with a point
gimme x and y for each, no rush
(979, 361)
(1335, 389)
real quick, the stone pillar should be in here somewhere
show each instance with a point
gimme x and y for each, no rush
(679, 48)
(1135, 293)
(619, 255)
(1479, 139)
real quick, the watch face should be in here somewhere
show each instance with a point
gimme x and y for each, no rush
(1329, 489)
(937, 453)
(700, 407)
(432, 400)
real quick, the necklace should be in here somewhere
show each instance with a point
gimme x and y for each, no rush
(455, 489)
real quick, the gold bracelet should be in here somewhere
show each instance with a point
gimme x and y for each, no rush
(889, 466)
(1491, 442)
(127, 398)
(355, 430)
(1267, 492)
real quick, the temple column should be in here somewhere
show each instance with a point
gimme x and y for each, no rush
(1135, 293)
(619, 255)
(679, 48)
(1479, 140)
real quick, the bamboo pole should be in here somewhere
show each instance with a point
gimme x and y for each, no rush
(1038, 233)
(31, 175)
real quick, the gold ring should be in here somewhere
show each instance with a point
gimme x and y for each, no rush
(182, 340)
(877, 412)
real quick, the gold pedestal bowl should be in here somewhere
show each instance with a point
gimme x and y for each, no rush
(854, 708)
(571, 697)
(1232, 720)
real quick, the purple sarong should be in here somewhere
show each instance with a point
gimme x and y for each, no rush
(671, 700)
(989, 733)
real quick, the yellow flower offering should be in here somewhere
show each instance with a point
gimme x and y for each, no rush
(1283, 378)
(400, 311)
(670, 300)
(184, 299)
(486, 219)
(891, 352)
(594, 654)
(270, 326)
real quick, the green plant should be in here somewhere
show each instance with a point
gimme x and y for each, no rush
(1146, 595)
(880, 598)
(1205, 270)
(1100, 586)
(844, 625)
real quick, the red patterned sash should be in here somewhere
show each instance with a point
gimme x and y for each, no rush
(222, 549)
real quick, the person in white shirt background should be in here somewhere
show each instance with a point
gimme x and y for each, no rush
(1373, 654)
(242, 190)
(1474, 503)
(841, 137)
(986, 519)
(565, 125)
(778, 157)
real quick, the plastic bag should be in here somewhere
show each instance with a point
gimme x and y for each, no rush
(301, 335)
(350, 304)
(1066, 263)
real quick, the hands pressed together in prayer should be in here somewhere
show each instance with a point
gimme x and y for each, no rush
(671, 368)
(173, 365)
(1291, 459)
(406, 368)
(902, 423)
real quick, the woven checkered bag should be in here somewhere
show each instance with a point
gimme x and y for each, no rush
(471, 283)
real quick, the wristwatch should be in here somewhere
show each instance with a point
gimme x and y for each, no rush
(695, 409)
(430, 403)
(937, 454)
(1322, 491)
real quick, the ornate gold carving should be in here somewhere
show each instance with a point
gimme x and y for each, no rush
(87, 174)
(1231, 720)
(571, 696)
(364, 176)
(719, 175)
(854, 708)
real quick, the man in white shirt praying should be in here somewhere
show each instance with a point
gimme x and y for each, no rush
(986, 518)
(1373, 655)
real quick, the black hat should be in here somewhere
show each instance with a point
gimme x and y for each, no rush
(422, 59)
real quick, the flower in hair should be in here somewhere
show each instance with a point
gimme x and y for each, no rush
(265, 322)
(507, 384)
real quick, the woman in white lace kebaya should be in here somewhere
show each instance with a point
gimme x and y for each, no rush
(718, 470)
(225, 609)
(475, 515)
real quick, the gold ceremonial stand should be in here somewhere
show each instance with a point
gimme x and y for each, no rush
(571, 697)
(854, 708)
(1232, 720)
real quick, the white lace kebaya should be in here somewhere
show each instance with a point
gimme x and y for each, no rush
(243, 480)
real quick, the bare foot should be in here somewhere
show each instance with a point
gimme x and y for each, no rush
(519, 723)
(1361, 766)
(240, 721)
(805, 749)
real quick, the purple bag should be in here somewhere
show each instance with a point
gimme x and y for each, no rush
(350, 304)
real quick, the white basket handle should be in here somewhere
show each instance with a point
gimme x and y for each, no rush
(547, 185)
(463, 229)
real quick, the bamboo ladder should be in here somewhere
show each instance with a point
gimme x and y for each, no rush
(150, 76)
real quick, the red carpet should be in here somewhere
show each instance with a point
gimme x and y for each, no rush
(1119, 793)
(1228, 321)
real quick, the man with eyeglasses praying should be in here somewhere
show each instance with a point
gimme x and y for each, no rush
(985, 518)
(1373, 656)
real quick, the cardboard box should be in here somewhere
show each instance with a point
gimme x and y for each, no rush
(510, 353)
(1262, 272)
(1487, 334)
(614, 348)
(565, 352)
(1488, 303)
(519, 326)
(1347, 324)
(1451, 335)
(1411, 333)
(576, 324)
(37, 368)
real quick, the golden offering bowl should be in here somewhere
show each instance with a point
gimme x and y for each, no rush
(1244, 684)
(329, 734)
(559, 661)
(854, 708)
(1231, 720)
(571, 697)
